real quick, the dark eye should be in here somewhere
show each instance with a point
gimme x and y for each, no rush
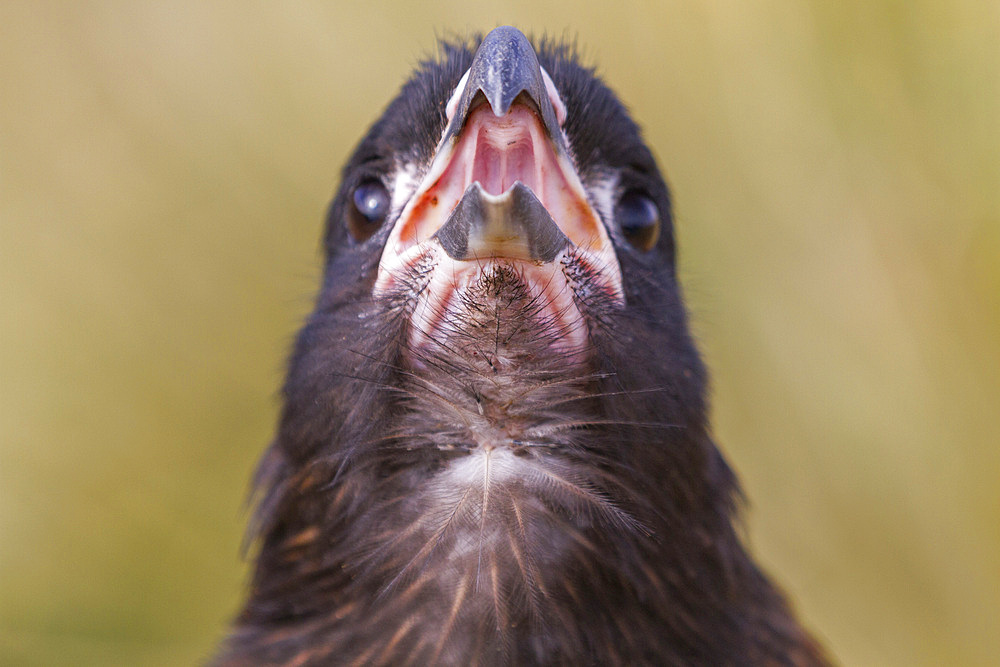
(368, 208)
(639, 219)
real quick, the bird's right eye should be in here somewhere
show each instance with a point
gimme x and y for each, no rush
(369, 207)
(639, 219)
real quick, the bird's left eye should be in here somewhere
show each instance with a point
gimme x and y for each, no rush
(369, 206)
(639, 219)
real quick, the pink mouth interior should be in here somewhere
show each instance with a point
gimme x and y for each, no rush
(498, 152)
(503, 153)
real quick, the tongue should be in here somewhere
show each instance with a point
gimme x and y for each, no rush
(513, 224)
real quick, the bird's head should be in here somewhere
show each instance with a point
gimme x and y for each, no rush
(501, 227)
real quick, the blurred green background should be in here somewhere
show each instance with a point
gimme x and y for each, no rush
(164, 169)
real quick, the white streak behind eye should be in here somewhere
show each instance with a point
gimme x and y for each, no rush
(452, 105)
(603, 193)
(557, 102)
(404, 184)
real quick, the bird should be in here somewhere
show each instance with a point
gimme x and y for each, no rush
(494, 445)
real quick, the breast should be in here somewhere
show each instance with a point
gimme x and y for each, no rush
(494, 554)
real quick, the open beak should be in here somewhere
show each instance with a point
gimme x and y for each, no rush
(502, 185)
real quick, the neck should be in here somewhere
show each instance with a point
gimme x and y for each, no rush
(456, 510)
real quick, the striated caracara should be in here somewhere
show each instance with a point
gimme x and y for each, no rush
(494, 446)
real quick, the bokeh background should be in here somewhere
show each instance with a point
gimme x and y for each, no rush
(164, 169)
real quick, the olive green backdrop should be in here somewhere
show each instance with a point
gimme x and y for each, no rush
(164, 169)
